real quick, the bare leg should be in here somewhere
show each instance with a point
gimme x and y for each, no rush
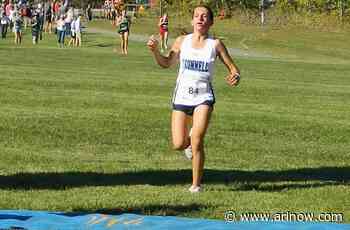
(122, 43)
(126, 42)
(179, 130)
(70, 42)
(165, 42)
(162, 42)
(201, 118)
(78, 40)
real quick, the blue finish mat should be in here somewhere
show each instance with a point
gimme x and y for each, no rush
(40, 220)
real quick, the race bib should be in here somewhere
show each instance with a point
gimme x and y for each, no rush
(191, 91)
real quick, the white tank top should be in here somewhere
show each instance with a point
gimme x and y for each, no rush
(193, 85)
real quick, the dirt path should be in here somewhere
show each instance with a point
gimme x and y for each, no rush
(143, 38)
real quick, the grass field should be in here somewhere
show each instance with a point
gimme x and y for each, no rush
(88, 130)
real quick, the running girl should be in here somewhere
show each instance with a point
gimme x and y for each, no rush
(124, 27)
(193, 97)
(163, 32)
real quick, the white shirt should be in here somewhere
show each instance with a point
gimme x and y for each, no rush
(69, 17)
(60, 24)
(77, 25)
(193, 85)
(5, 20)
(72, 26)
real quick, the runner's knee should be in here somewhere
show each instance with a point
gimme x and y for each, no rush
(179, 144)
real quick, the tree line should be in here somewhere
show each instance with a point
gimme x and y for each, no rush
(320, 6)
(340, 7)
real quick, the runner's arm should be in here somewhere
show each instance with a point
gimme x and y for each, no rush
(173, 56)
(233, 77)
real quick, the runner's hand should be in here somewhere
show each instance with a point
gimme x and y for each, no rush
(152, 43)
(233, 79)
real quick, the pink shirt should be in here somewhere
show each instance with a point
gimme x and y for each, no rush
(8, 9)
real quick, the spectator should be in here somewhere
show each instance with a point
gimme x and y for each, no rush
(62, 9)
(68, 21)
(61, 31)
(48, 17)
(78, 31)
(41, 18)
(10, 14)
(5, 21)
(56, 9)
(17, 27)
(26, 13)
(8, 8)
(89, 13)
(73, 34)
(35, 28)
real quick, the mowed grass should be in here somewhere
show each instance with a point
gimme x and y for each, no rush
(291, 43)
(88, 130)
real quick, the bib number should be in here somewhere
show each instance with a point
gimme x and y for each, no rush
(194, 90)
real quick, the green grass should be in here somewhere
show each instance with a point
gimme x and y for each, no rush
(88, 130)
(289, 44)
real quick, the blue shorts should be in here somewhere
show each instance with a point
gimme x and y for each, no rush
(189, 109)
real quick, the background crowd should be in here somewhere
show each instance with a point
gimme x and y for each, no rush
(56, 16)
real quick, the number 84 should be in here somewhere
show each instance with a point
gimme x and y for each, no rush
(192, 90)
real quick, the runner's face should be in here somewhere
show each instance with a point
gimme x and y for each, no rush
(201, 20)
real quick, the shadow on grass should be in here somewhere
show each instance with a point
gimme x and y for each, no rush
(102, 45)
(105, 45)
(159, 210)
(89, 34)
(238, 179)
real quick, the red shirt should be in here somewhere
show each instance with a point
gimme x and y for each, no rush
(56, 7)
(164, 23)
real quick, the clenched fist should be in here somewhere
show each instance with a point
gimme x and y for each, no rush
(152, 43)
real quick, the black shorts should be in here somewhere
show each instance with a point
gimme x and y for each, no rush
(121, 32)
(189, 109)
(49, 18)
